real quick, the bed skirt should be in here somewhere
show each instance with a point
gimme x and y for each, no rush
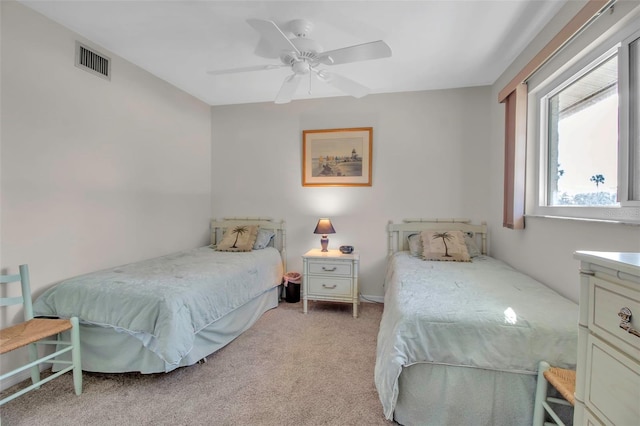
(432, 394)
(105, 350)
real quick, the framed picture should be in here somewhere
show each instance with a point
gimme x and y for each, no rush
(337, 157)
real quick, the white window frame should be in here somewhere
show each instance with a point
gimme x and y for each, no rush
(629, 210)
(626, 134)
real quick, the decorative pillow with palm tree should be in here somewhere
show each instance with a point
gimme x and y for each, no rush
(445, 245)
(238, 238)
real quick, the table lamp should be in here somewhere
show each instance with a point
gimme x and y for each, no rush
(324, 227)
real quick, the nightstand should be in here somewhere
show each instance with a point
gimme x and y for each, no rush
(330, 276)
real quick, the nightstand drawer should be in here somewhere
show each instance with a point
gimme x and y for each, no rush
(329, 286)
(330, 268)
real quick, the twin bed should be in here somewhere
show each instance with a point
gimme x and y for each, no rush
(159, 314)
(459, 342)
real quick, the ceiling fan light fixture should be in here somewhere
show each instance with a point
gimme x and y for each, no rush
(301, 67)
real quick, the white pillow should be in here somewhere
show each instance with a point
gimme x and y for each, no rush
(415, 245)
(472, 247)
(263, 239)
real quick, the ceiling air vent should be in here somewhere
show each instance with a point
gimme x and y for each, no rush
(91, 61)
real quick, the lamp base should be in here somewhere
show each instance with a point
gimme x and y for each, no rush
(324, 243)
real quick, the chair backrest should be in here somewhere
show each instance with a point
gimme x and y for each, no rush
(25, 298)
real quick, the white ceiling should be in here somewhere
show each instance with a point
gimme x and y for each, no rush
(436, 44)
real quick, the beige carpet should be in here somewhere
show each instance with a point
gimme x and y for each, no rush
(288, 369)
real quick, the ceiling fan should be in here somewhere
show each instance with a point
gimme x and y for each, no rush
(305, 56)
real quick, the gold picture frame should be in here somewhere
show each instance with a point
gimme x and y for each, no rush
(337, 157)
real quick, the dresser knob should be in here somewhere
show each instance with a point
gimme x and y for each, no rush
(625, 321)
(324, 268)
(330, 287)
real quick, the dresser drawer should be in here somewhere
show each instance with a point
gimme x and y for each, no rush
(330, 268)
(590, 420)
(608, 300)
(329, 286)
(613, 384)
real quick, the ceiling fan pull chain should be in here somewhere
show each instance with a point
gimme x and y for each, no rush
(310, 82)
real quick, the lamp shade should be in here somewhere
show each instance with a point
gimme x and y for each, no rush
(324, 227)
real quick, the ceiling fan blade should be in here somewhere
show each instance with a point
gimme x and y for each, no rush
(288, 89)
(344, 84)
(264, 49)
(246, 69)
(359, 52)
(273, 34)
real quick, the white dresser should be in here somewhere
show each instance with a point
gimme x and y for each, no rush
(330, 276)
(608, 368)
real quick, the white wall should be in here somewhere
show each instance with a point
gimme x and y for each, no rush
(544, 249)
(93, 173)
(430, 159)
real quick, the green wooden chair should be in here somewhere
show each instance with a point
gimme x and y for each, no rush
(32, 332)
(564, 381)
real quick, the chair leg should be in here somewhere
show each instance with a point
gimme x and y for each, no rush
(75, 355)
(35, 370)
(541, 395)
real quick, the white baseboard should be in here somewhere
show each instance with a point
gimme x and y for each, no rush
(373, 299)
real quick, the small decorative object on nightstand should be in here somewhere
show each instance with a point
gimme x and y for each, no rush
(330, 276)
(324, 227)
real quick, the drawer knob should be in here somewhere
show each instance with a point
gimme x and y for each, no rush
(625, 321)
(331, 287)
(324, 268)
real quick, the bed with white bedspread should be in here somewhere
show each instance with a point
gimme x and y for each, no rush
(459, 342)
(163, 313)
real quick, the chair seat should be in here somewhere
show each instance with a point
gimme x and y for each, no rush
(563, 380)
(38, 331)
(31, 331)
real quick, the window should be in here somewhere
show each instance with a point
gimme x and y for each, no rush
(630, 120)
(588, 134)
(582, 126)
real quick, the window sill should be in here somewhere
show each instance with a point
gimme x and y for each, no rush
(584, 219)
